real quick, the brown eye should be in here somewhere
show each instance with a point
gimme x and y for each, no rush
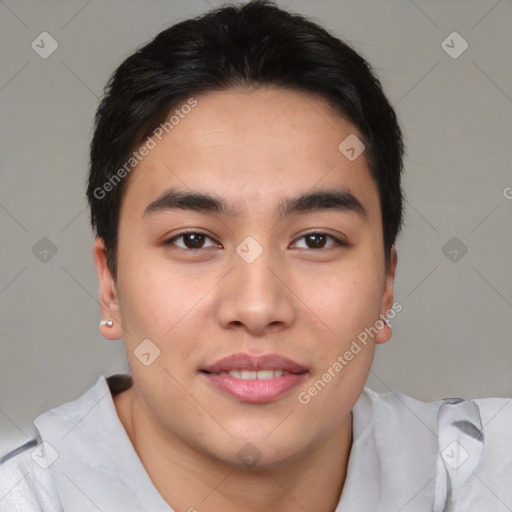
(318, 240)
(190, 240)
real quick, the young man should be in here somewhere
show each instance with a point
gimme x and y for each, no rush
(245, 192)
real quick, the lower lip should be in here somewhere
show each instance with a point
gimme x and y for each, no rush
(254, 390)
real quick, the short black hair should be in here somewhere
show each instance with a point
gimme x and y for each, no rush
(253, 45)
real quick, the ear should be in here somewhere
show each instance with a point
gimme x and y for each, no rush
(385, 333)
(109, 303)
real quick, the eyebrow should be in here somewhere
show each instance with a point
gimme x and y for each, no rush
(320, 200)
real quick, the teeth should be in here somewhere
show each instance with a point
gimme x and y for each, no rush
(252, 375)
(245, 375)
(263, 374)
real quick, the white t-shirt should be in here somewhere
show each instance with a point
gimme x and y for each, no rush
(452, 455)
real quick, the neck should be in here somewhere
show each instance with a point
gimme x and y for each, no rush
(191, 481)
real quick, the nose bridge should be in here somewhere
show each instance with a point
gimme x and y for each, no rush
(253, 271)
(255, 295)
(256, 282)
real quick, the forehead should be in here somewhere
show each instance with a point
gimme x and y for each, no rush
(254, 148)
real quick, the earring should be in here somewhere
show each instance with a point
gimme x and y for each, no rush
(107, 323)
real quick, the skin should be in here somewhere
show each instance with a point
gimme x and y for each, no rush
(252, 148)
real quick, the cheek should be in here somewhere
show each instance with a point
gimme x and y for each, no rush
(151, 293)
(349, 305)
(161, 304)
(348, 299)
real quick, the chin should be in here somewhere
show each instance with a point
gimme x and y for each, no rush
(252, 452)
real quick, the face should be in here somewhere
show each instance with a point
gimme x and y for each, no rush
(262, 285)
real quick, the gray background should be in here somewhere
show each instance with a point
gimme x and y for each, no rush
(453, 336)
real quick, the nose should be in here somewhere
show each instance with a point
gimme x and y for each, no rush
(256, 297)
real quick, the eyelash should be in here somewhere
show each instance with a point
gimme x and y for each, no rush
(170, 241)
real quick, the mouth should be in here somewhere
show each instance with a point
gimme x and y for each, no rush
(251, 374)
(255, 379)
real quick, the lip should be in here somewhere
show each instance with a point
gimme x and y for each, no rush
(254, 390)
(243, 361)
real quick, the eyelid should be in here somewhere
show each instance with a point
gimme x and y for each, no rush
(169, 241)
(337, 241)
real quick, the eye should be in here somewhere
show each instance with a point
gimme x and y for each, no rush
(194, 240)
(191, 240)
(317, 240)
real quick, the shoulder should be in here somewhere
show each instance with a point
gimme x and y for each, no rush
(494, 414)
(26, 483)
(471, 440)
(33, 476)
(397, 412)
(490, 484)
